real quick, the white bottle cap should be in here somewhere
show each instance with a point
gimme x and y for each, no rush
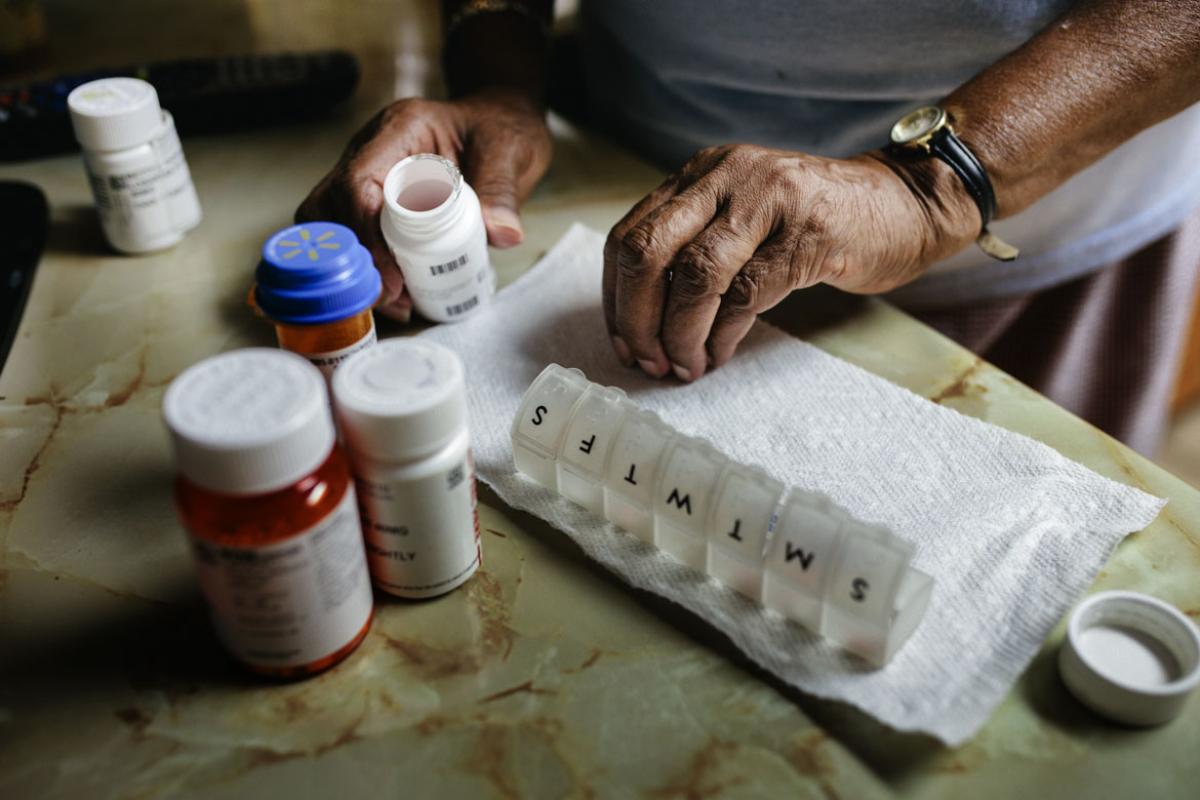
(249, 421)
(1130, 657)
(114, 113)
(401, 399)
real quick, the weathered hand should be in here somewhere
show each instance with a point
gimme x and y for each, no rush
(689, 268)
(499, 139)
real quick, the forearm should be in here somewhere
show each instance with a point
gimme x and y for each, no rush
(503, 49)
(1097, 76)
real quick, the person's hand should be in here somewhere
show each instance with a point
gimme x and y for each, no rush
(690, 267)
(498, 138)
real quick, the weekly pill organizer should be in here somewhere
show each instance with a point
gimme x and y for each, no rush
(792, 551)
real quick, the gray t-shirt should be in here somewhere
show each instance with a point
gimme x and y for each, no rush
(831, 76)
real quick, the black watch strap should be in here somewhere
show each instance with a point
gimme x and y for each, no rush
(949, 148)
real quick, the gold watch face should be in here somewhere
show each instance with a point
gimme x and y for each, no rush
(916, 127)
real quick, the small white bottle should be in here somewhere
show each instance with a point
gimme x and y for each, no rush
(403, 414)
(433, 225)
(135, 164)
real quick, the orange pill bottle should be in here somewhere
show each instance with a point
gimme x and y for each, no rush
(266, 497)
(317, 283)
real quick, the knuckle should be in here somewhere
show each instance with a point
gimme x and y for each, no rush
(743, 292)
(612, 244)
(406, 109)
(639, 250)
(697, 271)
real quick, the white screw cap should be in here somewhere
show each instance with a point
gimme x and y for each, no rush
(1130, 657)
(249, 421)
(401, 399)
(114, 113)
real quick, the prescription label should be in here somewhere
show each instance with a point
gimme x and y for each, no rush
(140, 198)
(291, 603)
(422, 534)
(327, 362)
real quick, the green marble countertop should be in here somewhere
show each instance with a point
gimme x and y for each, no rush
(545, 676)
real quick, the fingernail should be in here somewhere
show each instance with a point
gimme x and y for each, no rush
(504, 226)
(624, 354)
(648, 367)
(404, 315)
(681, 373)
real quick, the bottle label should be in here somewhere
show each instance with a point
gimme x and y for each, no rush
(328, 362)
(449, 287)
(140, 202)
(422, 535)
(289, 603)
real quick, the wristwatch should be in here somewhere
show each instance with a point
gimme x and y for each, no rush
(929, 130)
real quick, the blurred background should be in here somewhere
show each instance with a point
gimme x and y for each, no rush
(396, 45)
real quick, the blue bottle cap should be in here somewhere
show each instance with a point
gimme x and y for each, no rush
(315, 272)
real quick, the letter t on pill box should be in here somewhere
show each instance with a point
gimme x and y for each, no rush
(632, 472)
(537, 431)
(737, 530)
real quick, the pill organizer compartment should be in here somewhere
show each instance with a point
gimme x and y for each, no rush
(687, 484)
(632, 472)
(586, 443)
(874, 598)
(861, 591)
(538, 428)
(745, 503)
(801, 557)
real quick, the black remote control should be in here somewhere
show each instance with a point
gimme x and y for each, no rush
(205, 95)
(23, 228)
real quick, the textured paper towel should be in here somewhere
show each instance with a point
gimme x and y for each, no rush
(1012, 532)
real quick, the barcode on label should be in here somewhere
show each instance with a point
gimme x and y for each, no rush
(449, 266)
(463, 307)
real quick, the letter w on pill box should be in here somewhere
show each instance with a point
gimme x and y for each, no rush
(794, 552)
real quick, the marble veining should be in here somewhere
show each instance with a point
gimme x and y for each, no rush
(544, 675)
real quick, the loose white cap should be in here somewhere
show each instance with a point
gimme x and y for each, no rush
(114, 113)
(1130, 657)
(249, 421)
(401, 399)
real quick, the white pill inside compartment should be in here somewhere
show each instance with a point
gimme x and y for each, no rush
(538, 428)
(687, 486)
(746, 501)
(589, 436)
(801, 557)
(632, 472)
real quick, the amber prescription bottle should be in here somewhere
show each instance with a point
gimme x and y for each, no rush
(403, 413)
(317, 284)
(266, 497)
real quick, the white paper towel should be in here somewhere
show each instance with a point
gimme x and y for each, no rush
(1012, 531)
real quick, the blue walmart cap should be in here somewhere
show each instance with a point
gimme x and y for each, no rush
(313, 273)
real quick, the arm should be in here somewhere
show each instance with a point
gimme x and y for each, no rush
(1103, 72)
(741, 227)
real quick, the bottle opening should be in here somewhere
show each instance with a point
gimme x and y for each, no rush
(421, 184)
(424, 195)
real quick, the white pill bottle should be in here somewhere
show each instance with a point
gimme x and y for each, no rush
(433, 224)
(135, 164)
(403, 414)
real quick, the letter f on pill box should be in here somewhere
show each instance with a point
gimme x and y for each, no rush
(589, 436)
